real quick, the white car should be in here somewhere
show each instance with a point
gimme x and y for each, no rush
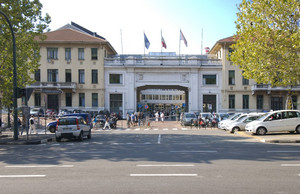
(241, 123)
(222, 124)
(276, 121)
(72, 127)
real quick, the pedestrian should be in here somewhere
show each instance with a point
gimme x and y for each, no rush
(162, 117)
(128, 120)
(0, 126)
(107, 123)
(132, 118)
(95, 121)
(23, 124)
(32, 126)
(156, 116)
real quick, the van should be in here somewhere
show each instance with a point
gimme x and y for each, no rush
(276, 121)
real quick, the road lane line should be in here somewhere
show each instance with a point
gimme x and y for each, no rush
(290, 165)
(164, 175)
(22, 176)
(174, 129)
(98, 152)
(165, 129)
(41, 166)
(283, 151)
(194, 151)
(165, 165)
(159, 138)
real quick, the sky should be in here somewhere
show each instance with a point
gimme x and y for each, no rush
(123, 22)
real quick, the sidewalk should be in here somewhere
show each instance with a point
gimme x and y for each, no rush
(7, 138)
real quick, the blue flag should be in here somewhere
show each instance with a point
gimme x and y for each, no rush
(147, 43)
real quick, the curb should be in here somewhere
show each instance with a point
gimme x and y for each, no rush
(29, 142)
(261, 139)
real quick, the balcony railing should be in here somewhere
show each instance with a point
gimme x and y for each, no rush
(141, 60)
(269, 88)
(54, 85)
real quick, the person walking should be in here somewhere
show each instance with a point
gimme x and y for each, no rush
(106, 123)
(162, 117)
(23, 124)
(32, 126)
(156, 116)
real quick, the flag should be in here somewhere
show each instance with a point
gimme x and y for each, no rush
(183, 38)
(163, 43)
(147, 43)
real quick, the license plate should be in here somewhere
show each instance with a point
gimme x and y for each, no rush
(66, 129)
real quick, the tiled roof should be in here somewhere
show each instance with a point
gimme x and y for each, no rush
(228, 39)
(70, 35)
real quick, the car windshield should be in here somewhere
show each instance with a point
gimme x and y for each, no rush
(189, 115)
(67, 121)
(242, 118)
(262, 117)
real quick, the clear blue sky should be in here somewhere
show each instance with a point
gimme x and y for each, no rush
(133, 17)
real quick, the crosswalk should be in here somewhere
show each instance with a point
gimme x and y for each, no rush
(157, 129)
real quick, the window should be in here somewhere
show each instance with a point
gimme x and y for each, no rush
(259, 101)
(230, 50)
(94, 76)
(81, 99)
(95, 99)
(209, 79)
(294, 102)
(52, 53)
(68, 99)
(52, 75)
(68, 53)
(231, 76)
(68, 75)
(81, 78)
(245, 101)
(94, 53)
(37, 75)
(37, 99)
(155, 97)
(231, 101)
(80, 53)
(245, 81)
(116, 103)
(115, 79)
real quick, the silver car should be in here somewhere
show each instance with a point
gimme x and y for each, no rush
(72, 127)
(240, 124)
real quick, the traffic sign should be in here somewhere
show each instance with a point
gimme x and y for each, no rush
(146, 106)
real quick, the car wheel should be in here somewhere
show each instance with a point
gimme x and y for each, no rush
(261, 131)
(52, 129)
(58, 139)
(298, 129)
(80, 137)
(89, 136)
(235, 129)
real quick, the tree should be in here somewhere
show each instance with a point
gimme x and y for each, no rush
(267, 44)
(28, 22)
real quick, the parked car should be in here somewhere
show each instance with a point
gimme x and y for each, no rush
(52, 126)
(276, 121)
(51, 112)
(72, 127)
(241, 123)
(37, 112)
(221, 124)
(188, 119)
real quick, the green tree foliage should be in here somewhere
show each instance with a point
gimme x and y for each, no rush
(267, 45)
(27, 22)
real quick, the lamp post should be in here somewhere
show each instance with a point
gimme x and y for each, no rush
(15, 105)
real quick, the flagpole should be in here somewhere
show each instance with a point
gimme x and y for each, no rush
(179, 45)
(161, 57)
(144, 43)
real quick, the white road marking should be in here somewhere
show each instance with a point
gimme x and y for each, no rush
(194, 151)
(165, 165)
(159, 138)
(22, 176)
(137, 129)
(184, 129)
(163, 175)
(174, 129)
(284, 151)
(41, 166)
(98, 152)
(290, 165)
(190, 143)
(147, 129)
(165, 129)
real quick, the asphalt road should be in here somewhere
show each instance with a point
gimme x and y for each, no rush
(152, 161)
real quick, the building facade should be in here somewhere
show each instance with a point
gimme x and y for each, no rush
(162, 83)
(71, 73)
(242, 95)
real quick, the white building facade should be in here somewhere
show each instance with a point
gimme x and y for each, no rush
(155, 83)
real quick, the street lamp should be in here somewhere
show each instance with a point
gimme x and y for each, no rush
(15, 105)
